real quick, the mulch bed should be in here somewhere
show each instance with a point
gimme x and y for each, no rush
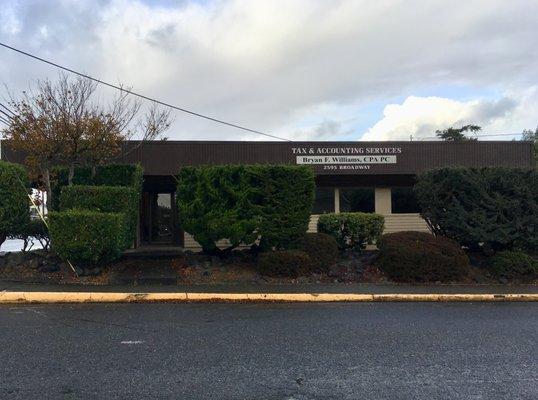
(195, 269)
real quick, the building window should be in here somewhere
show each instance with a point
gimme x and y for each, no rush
(324, 202)
(404, 200)
(357, 199)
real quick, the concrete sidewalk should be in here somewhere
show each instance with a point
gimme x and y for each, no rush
(365, 288)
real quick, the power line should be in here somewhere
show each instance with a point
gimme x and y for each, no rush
(5, 114)
(141, 95)
(7, 109)
(478, 136)
(498, 134)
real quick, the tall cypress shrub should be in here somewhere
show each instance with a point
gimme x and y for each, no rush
(243, 203)
(284, 196)
(215, 203)
(495, 207)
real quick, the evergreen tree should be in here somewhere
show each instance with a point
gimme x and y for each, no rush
(457, 134)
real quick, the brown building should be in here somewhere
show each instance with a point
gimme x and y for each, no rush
(350, 176)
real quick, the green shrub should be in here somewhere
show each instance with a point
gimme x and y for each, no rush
(87, 237)
(495, 207)
(322, 249)
(352, 230)
(421, 257)
(284, 263)
(33, 229)
(105, 175)
(242, 203)
(105, 199)
(118, 175)
(97, 198)
(283, 196)
(213, 204)
(14, 203)
(514, 264)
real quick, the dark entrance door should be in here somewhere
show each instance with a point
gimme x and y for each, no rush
(159, 219)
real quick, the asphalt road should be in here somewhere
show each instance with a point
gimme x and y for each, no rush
(269, 351)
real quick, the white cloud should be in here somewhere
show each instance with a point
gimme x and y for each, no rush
(266, 64)
(422, 116)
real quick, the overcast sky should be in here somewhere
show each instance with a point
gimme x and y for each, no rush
(304, 70)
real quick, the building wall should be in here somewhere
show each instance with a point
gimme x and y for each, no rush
(168, 157)
(164, 158)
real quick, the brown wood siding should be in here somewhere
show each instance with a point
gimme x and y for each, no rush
(164, 158)
(167, 157)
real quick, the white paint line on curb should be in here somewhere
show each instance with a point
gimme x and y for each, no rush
(114, 297)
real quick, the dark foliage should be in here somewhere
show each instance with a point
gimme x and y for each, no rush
(243, 203)
(107, 175)
(283, 199)
(496, 207)
(421, 257)
(34, 229)
(284, 263)
(514, 264)
(322, 249)
(352, 230)
(14, 202)
(87, 237)
(457, 134)
(214, 204)
(110, 198)
(115, 199)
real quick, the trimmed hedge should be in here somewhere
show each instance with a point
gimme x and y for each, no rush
(97, 198)
(514, 264)
(33, 229)
(104, 199)
(352, 230)
(87, 237)
(492, 207)
(14, 203)
(105, 175)
(421, 257)
(244, 202)
(127, 175)
(284, 263)
(322, 249)
(110, 199)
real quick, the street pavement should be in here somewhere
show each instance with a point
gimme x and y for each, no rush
(269, 351)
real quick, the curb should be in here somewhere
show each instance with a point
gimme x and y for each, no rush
(113, 297)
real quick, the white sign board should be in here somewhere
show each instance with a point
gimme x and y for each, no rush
(316, 160)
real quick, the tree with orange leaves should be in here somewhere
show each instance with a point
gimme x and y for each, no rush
(63, 123)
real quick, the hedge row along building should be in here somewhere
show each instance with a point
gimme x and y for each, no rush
(350, 176)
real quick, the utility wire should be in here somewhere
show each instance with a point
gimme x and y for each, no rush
(499, 134)
(477, 136)
(5, 114)
(141, 95)
(7, 109)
